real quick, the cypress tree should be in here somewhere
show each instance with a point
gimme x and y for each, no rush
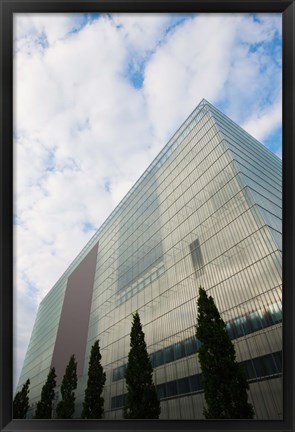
(44, 406)
(142, 400)
(66, 407)
(21, 402)
(93, 402)
(223, 378)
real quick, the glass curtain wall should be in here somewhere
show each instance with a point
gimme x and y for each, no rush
(194, 221)
(206, 212)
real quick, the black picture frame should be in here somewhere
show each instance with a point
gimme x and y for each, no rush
(7, 9)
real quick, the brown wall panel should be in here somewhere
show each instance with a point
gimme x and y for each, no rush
(73, 325)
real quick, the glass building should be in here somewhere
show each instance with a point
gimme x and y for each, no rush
(206, 212)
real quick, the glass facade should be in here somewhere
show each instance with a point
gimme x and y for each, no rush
(206, 212)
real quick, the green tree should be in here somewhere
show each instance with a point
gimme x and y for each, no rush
(223, 378)
(21, 402)
(142, 400)
(66, 407)
(44, 406)
(93, 401)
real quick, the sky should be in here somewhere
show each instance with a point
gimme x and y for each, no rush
(96, 97)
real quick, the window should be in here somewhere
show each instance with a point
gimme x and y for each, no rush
(276, 312)
(256, 368)
(115, 375)
(179, 350)
(183, 385)
(158, 358)
(195, 383)
(118, 401)
(168, 354)
(119, 372)
(161, 391)
(278, 360)
(240, 326)
(196, 254)
(269, 365)
(256, 321)
(113, 402)
(249, 368)
(171, 388)
(260, 366)
(230, 330)
(188, 346)
(196, 344)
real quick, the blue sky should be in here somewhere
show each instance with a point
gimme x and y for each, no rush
(96, 99)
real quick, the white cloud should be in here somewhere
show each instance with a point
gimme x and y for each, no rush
(85, 133)
(269, 119)
(142, 32)
(41, 28)
(218, 65)
(183, 72)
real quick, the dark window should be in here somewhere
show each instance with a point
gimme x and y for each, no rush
(249, 368)
(196, 254)
(115, 374)
(240, 324)
(158, 358)
(119, 373)
(113, 402)
(263, 366)
(122, 371)
(269, 365)
(247, 325)
(256, 322)
(118, 401)
(266, 320)
(183, 386)
(188, 346)
(230, 330)
(152, 359)
(196, 344)
(276, 312)
(278, 361)
(259, 367)
(168, 354)
(161, 391)
(179, 350)
(171, 388)
(195, 383)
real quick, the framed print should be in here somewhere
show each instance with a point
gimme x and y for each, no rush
(147, 221)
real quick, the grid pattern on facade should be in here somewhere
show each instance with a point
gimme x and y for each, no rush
(206, 212)
(259, 368)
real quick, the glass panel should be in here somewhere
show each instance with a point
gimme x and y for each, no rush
(183, 385)
(276, 312)
(195, 383)
(278, 361)
(259, 367)
(188, 346)
(249, 367)
(158, 358)
(256, 321)
(168, 354)
(161, 391)
(171, 388)
(196, 254)
(179, 350)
